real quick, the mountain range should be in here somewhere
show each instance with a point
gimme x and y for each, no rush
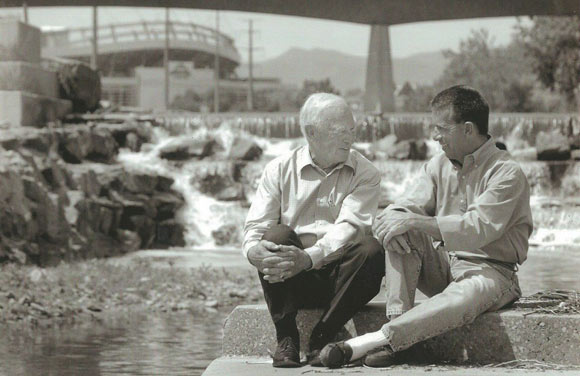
(345, 71)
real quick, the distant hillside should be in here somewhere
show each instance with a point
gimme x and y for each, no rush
(345, 71)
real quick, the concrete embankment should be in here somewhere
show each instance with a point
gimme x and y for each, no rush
(493, 338)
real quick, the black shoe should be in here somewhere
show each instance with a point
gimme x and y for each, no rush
(286, 355)
(384, 357)
(313, 358)
(335, 355)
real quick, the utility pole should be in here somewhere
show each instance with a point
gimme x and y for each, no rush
(25, 11)
(166, 58)
(216, 65)
(251, 68)
(95, 44)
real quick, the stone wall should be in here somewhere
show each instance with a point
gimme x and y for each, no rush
(64, 197)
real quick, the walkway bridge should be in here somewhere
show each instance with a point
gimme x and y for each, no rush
(125, 46)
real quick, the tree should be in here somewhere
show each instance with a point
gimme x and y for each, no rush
(314, 86)
(553, 43)
(502, 74)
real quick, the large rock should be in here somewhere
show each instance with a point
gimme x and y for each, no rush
(169, 233)
(408, 150)
(552, 146)
(184, 148)
(80, 84)
(244, 148)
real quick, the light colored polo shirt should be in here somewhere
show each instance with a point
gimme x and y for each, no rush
(317, 205)
(482, 208)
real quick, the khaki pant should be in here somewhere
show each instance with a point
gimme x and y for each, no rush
(459, 290)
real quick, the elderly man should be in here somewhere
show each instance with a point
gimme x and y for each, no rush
(458, 236)
(308, 231)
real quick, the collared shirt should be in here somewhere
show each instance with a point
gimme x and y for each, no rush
(322, 208)
(482, 208)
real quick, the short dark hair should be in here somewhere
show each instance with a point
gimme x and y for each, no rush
(467, 103)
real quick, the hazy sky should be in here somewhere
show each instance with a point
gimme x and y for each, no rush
(276, 34)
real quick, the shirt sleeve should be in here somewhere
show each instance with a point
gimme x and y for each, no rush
(265, 209)
(354, 220)
(422, 196)
(487, 218)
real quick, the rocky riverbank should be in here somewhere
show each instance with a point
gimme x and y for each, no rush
(63, 196)
(79, 291)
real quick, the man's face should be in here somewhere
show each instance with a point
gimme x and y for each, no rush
(450, 135)
(331, 145)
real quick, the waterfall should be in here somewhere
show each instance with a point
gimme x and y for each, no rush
(555, 186)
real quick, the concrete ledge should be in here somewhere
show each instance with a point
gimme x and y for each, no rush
(21, 76)
(26, 109)
(491, 338)
(245, 366)
(19, 41)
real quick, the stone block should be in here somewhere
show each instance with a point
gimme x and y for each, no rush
(21, 76)
(19, 41)
(492, 338)
(26, 109)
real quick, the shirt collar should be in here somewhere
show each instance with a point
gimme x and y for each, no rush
(482, 153)
(305, 159)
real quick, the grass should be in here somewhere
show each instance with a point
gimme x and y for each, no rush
(71, 292)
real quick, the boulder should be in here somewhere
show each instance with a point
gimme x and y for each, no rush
(166, 204)
(103, 147)
(552, 146)
(227, 234)
(576, 155)
(184, 148)
(244, 148)
(133, 142)
(80, 84)
(169, 234)
(98, 215)
(76, 145)
(408, 150)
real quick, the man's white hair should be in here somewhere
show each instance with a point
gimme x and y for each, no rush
(313, 106)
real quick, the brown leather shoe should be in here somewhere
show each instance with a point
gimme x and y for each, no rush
(383, 357)
(335, 355)
(313, 358)
(286, 355)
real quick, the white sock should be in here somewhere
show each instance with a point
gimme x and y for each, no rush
(361, 345)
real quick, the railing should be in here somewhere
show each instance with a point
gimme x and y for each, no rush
(137, 31)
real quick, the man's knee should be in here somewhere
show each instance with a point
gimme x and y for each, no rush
(281, 234)
(368, 249)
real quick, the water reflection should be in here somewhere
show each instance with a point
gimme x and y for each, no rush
(171, 344)
(185, 343)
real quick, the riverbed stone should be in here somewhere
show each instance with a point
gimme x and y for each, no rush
(244, 148)
(184, 148)
(552, 146)
(492, 338)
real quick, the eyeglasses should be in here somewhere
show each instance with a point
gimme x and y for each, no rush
(442, 129)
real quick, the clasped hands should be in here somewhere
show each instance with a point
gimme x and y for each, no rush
(391, 227)
(278, 262)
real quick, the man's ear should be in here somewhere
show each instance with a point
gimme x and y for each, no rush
(309, 129)
(469, 128)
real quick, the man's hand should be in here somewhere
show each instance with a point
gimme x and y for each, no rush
(300, 261)
(389, 228)
(278, 262)
(266, 254)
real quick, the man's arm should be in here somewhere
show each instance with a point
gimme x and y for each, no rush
(486, 219)
(265, 209)
(356, 216)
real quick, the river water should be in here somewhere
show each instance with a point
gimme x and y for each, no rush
(185, 343)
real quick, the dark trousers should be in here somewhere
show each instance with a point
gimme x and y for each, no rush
(341, 288)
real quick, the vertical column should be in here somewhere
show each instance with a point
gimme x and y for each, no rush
(216, 74)
(166, 59)
(251, 69)
(379, 86)
(25, 11)
(95, 41)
